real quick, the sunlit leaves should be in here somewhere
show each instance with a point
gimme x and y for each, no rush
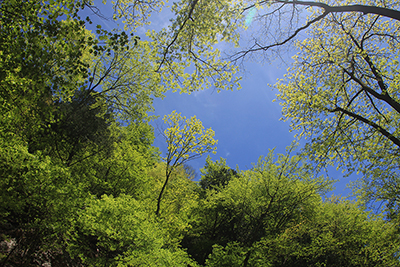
(188, 59)
(342, 93)
(186, 138)
(254, 204)
(127, 80)
(120, 232)
(340, 234)
(134, 13)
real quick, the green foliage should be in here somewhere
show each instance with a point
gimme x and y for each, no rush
(216, 174)
(179, 198)
(187, 48)
(337, 234)
(185, 57)
(79, 130)
(59, 139)
(122, 170)
(119, 232)
(80, 176)
(231, 255)
(342, 93)
(257, 203)
(186, 140)
(126, 79)
(36, 193)
(41, 57)
(340, 234)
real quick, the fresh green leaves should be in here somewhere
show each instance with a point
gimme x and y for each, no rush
(186, 140)
(120, 232)
(342, 94)
(80, 176)
(254, 204)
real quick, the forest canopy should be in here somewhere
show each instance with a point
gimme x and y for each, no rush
(82, 183)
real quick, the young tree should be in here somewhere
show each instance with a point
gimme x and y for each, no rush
(186, 140)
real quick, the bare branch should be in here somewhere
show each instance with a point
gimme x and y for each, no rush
(242, 54)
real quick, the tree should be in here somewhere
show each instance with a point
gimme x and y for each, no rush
(342, 92)
(337, 233)
(178, 199)
(254, 204)
(340, 234)
(186, 140)
(216, 175)
(119, 232)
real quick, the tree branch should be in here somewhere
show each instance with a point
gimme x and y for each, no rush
(385, 97)
(381, 11)
(244, 53)
(385, 133)
(189, 16)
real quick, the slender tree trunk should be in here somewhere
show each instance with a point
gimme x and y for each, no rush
(167, 175)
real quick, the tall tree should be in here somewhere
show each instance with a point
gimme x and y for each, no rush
(342, 93)
(186, 140)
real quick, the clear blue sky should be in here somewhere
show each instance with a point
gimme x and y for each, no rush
(246, 122)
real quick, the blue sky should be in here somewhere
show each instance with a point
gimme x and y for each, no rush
(246, 122)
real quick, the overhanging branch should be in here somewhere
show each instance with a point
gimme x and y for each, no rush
(381, 130)
(381, 11)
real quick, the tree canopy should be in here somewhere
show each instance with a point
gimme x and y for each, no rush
(342, 93)
(82, 184)
(186, 140)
